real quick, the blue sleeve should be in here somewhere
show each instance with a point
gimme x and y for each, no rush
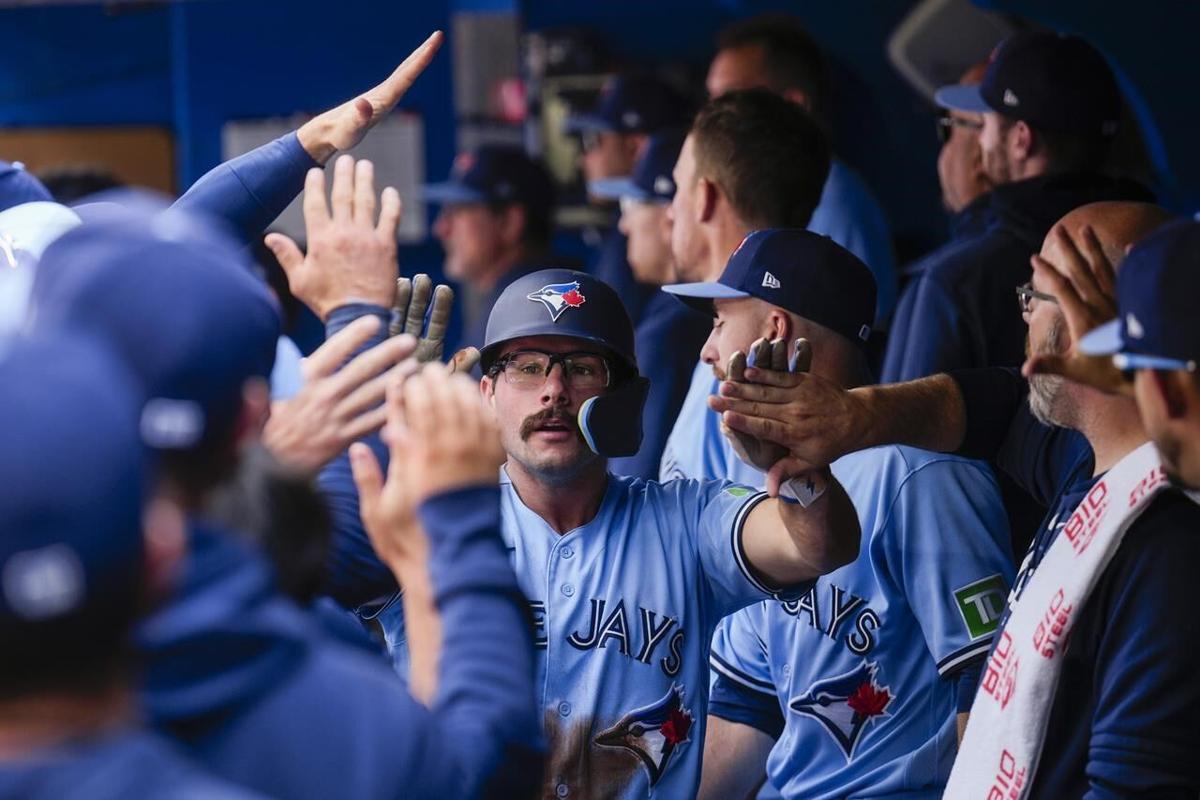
(947, 550)
(1001, 429)
(734, 702)
(253, 189)
(716, 512)
(966, 683)
(354, 575)
(1147, 719)
(488, 723)
(935, 339)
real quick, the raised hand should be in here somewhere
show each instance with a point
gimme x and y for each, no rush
(1084, 284)
(412, 301)
(351, 257)
(343, 127)
(337, 404)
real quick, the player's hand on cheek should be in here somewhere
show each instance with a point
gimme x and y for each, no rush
(758, 452)
(814, 419)
(351, 256)
(337, 405)
(1084, 285)
(343, 127)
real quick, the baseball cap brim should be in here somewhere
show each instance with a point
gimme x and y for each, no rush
(587, 122)
(700, 296)
(1103, 341)
(962, 97)
(451, 192)
(616, 188)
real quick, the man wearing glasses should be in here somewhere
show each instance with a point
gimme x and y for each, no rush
(1117, 723)
(626, 578)
(1047, 110)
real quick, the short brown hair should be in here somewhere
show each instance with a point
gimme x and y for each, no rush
(768, 156)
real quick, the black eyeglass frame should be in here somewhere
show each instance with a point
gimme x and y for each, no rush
(1026, 294)
(554, 358)
(946, 123)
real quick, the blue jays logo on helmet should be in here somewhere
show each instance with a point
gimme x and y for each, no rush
(558, 297)
(845, 705)
(653, 733)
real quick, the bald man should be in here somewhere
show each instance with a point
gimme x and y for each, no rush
(1126, 711)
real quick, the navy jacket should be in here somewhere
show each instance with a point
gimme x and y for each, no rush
(261, 695)
(1126, 717)
(959, 309)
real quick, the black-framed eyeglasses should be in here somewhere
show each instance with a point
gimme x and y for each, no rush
(528, 369)
(946, 124)
(1026, 294)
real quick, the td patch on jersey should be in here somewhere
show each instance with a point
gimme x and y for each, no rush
(653, 733)
(981, 604)
(846, 704)
(558, 297)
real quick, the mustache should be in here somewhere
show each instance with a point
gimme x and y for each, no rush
(535, 421)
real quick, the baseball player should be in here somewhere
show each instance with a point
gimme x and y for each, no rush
(626, 579)
(856, 686)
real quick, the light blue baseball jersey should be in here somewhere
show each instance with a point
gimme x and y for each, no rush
(692, 451)
(858, 665)
(624, 609)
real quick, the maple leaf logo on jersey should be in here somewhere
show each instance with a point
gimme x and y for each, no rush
(845, 705)
(558, 297)
(653, 733)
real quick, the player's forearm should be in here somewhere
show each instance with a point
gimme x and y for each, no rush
(250, 191)
(485, 696)
(826, 534)
(927, 413)
(735, 759)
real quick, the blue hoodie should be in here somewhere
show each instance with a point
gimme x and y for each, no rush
(263, 697)
(119, 766)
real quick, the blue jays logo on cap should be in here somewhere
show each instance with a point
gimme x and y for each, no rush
(846, 704)
(653, 733)
(558, 297)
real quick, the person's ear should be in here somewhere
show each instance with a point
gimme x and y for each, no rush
(799, 97)
(1172, 392)
(1020, 141)
(487, 391)
(779, 324)
(255, 411)
(706, 197)
(164, 531)
(512, 224)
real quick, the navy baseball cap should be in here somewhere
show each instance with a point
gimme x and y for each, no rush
(178, 300)
(652, 180)
(18, 186)
(494, 174)
(1054, 82)
(1157, 286)
(633, 104)
(803, 272)
(73, 470)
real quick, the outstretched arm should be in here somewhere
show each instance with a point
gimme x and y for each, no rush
(253, 189)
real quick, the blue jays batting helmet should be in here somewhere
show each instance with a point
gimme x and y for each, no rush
(563, 302)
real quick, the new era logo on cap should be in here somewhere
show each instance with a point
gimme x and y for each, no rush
(770, 281)
(1010, 98)
(664, 185)
(1133, 327)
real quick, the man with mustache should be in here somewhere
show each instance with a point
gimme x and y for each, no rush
(626, 578)
(1109, 705)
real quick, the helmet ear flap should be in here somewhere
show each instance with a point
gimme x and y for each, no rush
(611, 423)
